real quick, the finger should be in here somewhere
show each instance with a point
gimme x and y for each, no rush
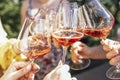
(75, 44)
(31, 76)
(106, 45)
(22, 71)
(115, 60)
(78, 61)
(76, 52)
(78, 46)
(75, 55)
(79, 50)
(19, 65)
(106, 41)
(112, 54)
(102, 42)
(106, 48)
(36, 67)
(74, 78)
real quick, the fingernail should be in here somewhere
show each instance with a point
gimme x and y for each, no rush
(74, 61)
(28, 67)
(80, 61)
(80, 57)
(36, 67)
(74, 78)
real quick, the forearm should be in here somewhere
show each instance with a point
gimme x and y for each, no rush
(97, 52)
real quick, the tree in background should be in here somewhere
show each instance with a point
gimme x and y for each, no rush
(10, 16)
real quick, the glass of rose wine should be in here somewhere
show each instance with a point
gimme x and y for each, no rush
(35, 45)
(96, 21)
(30, 43)
(40, 39)
(66, 32)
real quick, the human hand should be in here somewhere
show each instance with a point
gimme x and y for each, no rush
(113, 49)
(20, 71)
(79, 51)
(61, 72)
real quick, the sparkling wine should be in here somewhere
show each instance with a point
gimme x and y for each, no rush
(67, 37)
(98, 33)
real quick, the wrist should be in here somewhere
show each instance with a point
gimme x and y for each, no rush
(4, 78)
(97, 52)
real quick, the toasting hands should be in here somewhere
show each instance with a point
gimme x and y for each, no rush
(20, 71)
(61, 72)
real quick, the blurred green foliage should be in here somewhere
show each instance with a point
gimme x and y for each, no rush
(10, 16)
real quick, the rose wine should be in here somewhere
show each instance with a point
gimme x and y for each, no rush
(38, 52)
(98, 33)
(36, 46)
(67, 37)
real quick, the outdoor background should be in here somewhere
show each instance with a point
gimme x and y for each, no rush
(10, 17)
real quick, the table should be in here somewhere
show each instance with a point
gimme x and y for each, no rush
(96, 71)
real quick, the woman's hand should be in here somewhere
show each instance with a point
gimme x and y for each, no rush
(113, 50)
(79, 51)
(20, 71)
(61, 72)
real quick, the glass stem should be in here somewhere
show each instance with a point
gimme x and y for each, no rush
(64, 53)
(33, 71)
(31, 60)
(118, 67)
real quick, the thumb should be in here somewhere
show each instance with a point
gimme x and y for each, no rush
(74, 78)
(22, 71)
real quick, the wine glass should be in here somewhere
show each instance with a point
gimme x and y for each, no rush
(66, 30)
(71, 17)
(96, 21)
(114, 71)
(39, 32)
(35, 45)
(32, 16)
